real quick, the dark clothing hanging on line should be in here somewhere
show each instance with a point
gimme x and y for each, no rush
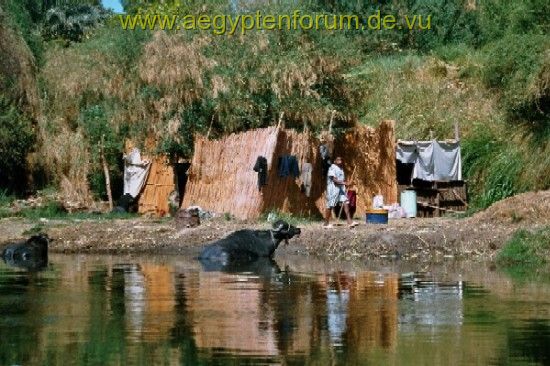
(288, 166)
(326, 161)
(261, 168)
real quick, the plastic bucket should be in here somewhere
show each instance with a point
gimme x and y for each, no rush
(408, 202)
(377, 216)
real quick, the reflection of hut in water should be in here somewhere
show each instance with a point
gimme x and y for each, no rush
(149, 294)
(299, 309)
(228, 313)
(255, 316)
(430, 302)
(159, 301)
(372, 312)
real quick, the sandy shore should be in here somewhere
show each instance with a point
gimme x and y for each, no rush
(479, 236)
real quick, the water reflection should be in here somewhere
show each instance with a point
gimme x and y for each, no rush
(109, 310)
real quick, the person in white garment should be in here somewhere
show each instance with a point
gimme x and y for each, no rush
(336, 192)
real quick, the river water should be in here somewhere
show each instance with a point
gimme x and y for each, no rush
(125, 310)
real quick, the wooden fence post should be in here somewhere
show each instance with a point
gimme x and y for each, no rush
(106, 173)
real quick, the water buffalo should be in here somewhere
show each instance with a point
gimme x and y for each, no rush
(245, 246)
(30, 254)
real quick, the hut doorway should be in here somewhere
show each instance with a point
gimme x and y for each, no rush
(180, 171)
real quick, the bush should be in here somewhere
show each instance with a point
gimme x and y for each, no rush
(16, 140)
(24, 16)
(492, 168)
(5, 198)
(498, 18)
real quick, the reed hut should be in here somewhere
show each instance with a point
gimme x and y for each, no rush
(160, 184)
(221, 178)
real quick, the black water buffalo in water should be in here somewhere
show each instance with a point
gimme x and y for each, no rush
(30, 254)
(246, 246)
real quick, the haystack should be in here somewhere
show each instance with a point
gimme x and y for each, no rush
(221, 178)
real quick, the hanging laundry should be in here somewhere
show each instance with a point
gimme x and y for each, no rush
(424, 165)
(433, 160)
(326, 161)
(307, 169)
(261, 168)
(352, 201)
(136, 172)
(406, 152)
(447, 161)
(323, 150)
(288, 166)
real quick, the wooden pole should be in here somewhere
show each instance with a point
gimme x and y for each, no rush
(280, 119)
(457, 132)
(210, 128)
(106, 173)
(331, 120)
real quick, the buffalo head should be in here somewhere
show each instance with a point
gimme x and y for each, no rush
(282, 230)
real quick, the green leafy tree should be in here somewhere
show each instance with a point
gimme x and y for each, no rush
(16, 140)
(72, 22)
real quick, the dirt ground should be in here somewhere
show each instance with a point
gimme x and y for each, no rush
(477, 237)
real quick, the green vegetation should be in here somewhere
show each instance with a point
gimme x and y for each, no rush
(290, 218)
(526, 248)
(74, 85)
(16, 139)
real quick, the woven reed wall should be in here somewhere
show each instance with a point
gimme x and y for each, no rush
(160, 183)
(221, 178)
(283, 193)
(372, 152)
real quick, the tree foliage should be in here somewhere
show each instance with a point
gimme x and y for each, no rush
(16, 140)
(72, 22)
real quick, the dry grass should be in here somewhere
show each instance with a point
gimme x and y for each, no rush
(176, 64)
(424, 94)
(17, 68)
(525, 208)
(65, 157)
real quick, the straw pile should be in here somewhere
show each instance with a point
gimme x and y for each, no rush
(221, 178)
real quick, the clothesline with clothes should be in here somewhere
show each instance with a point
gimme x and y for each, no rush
(287, 167)
(433, 160)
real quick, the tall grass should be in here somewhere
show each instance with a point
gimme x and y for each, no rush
(498, 166)
(425, 93)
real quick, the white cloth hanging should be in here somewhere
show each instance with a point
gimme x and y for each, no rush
(433, 160)
(135, 173)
